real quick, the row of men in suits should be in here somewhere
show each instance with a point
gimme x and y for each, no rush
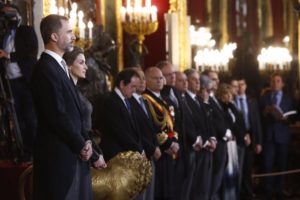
(179, 124)
(173, 127)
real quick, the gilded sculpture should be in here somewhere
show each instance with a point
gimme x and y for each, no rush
(126, 176)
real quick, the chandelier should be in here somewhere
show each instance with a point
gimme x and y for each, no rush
(274, 58)
(208, 57)
(83, 30)
(201, 37)
(139, 19)
(214, 59)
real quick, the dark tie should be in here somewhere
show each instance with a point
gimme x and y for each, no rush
(142, 103)
(184, 103)
(173, 98)
(243, 110)
(128, 105)
(196, 101)
(274, 98)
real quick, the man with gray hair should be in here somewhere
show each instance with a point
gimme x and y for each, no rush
(201, 143)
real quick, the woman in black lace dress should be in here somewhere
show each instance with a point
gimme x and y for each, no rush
(77, 70)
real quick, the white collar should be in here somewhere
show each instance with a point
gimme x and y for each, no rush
(57, 57)
(119, 93)
(157, 94)
(191, 94)
(137, 96)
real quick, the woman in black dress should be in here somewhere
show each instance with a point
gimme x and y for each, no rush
(77, 70)
(235, 123)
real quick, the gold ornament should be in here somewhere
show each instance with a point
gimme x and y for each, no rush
(126, 176)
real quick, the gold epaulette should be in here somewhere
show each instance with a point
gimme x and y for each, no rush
(164, 120)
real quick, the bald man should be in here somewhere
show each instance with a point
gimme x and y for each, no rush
(166, 136)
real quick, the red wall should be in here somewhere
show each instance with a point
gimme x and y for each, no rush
(156, 42)
(196, 9)
(277, 11)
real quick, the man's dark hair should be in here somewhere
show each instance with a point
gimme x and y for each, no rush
(277, 74)
(189, 72)
(51, 24)
(208, 71)
(125, 76)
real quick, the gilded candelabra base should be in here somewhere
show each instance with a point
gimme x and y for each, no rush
(83, 43)
(140, 30)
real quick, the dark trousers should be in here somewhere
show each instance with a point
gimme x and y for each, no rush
(246, 182)
(188, 181)
(241, 157)
(219, 161)
(275, 154)
(165, 177)
(203, 176)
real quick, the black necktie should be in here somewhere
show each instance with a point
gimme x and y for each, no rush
(196, 101)
(128, 105)
(142, 103)
(275, 98)
(184, 103)
(173, 98)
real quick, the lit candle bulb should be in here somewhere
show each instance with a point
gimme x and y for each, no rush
(81, 30)
(67, 11)
(61, 11)
(81, 24)
(53, 7)
(138, 13)
(74, 7)
(138, 3)
(130, 13)
(90, 26)
(128, 3)
(153, 13)
(123, 14)
(148, 4)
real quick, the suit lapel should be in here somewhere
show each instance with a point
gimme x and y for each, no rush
(62, 74)
(142, 112)
(157, 99)
(130, 117)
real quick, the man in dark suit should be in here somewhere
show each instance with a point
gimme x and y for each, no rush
(20, 46)
(166, 136)
(222, 135)
(203, 142)
(61, 147)
(253, 138)
(273, 104)
(120, 131)
(148, 132)
(169, 93)
(171, 96)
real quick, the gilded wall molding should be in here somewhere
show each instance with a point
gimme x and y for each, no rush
(224, 22)
(103, 13)
(180, 7)
(119, 36)
(46, 7)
